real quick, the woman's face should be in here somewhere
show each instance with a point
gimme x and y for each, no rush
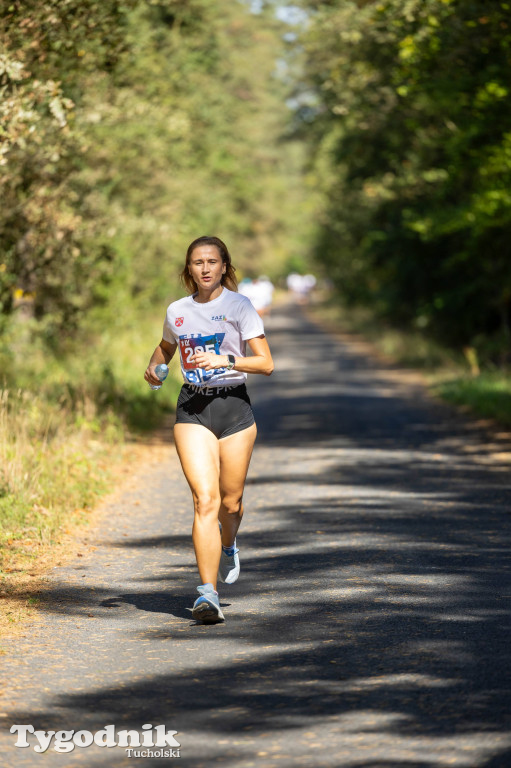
(206, 267)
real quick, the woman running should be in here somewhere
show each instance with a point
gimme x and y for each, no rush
(215, 429)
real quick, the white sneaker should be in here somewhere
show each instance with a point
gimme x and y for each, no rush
(207, 607)
(229, 568)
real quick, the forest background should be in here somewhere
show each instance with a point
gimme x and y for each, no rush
(369, 142)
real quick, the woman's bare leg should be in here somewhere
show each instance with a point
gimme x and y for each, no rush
(198, 451)
(235, 452)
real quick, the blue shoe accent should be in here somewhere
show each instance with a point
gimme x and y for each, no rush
(207, 607)
(229, 568)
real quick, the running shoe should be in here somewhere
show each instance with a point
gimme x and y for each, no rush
(229, 568)
(207, 607)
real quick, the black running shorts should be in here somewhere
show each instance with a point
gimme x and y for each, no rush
(222, 410)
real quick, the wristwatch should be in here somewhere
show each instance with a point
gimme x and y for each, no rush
(230, 364)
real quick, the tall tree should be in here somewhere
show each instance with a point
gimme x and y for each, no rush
(412, 134)
(129, 128)
(49, 50)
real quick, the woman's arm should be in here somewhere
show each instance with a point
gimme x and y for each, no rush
(260, 362)
(163, 353)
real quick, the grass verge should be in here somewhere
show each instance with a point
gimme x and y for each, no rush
(487, 394)
(68, 427)
(454, 377)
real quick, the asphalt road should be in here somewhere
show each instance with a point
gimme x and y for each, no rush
(370, 624)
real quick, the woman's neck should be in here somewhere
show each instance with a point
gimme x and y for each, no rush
(204, 296)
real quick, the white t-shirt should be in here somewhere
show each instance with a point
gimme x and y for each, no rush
(221, 326)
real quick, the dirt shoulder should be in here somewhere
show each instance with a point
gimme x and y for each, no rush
(27, 578)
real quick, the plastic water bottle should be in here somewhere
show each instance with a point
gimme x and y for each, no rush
(161, 371)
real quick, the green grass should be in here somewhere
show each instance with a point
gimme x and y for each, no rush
(488, 395)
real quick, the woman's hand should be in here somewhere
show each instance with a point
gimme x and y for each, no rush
(163, 353)
(150, 375)
(208, 360)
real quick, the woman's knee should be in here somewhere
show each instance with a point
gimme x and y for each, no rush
(231, 503)
(206, 503)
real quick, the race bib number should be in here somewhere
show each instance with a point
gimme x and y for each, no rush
(195, 342)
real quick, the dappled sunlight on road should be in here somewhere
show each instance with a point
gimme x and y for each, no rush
(369, 626)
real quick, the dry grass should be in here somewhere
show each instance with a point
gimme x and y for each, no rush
(64, 424)
(28, 561)
(51, 474)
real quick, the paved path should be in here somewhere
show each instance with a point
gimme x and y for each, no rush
(370, 626)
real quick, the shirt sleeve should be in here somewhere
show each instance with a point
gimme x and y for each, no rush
(250, 324)
(168, 333)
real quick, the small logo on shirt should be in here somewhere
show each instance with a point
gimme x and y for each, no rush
(219, 317)
(179, 321)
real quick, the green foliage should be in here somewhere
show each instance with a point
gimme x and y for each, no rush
(51, 258)
(128, 129)
(411, 130)
(488, 395)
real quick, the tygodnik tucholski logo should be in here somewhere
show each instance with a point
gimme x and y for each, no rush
(152, 742)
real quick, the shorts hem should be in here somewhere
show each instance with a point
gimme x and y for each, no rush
(237, 428)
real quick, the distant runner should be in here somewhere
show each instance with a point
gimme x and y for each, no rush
(215, 429)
